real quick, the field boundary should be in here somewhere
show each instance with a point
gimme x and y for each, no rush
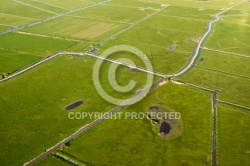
(214, 135)
(223, 72)
(224, 52)
(233, 104)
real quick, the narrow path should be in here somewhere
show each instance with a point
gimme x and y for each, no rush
(53, 37)
(224, 52)
(233, 104)
(223, 72)
(201, 43)
(214, 145)
(53, 17)
(116, 62)
(81, 54)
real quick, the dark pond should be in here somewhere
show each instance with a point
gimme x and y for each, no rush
(74, 105)
(165, 128)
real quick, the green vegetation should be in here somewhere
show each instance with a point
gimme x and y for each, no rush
(232, 88)
(233, 131)
(32, 105)
(136, 142)
(12, 20)
(70, 4)
(203, 4)
(52, 160)
(19, 9)
(122, 14)
(76, 27)
(33, 116)
(190, 13)
(11, 61)
(44, 6)
(20, 50)
(161, 58)
(226, 63)
(4, 28)
(237, 34)
(33, 44)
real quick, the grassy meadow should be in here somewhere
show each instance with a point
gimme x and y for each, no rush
(136, 142)
(39, 97)
(32, 105)
(233, 130)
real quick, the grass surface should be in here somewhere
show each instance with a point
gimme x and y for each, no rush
(3, 28)
(76, 27)
(70, 4)
(122, 14)
(33, 44)
(224, 62)
(232, 88)
(204, 4)
(11, 61)
(18, 9)
(52, 160)
(237, 34)
(233, 130)
(12, 20)
(136, 142)
(39, 97)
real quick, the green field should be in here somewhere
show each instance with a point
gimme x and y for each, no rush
(32, 105)
(3, 28)
(52, 160)
(136, 142)
(226, 63)
(13, 60)
(12, 20)
(231, 88)
(58, 83)
(19, 9)
(26, 49)
(70, 4)
(123, 14)
(76, 27)
(233, 130)
(236, 33)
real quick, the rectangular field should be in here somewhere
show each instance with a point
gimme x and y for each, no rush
(231, 88)
(225, 63)
(233, 130)
(75, 27)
